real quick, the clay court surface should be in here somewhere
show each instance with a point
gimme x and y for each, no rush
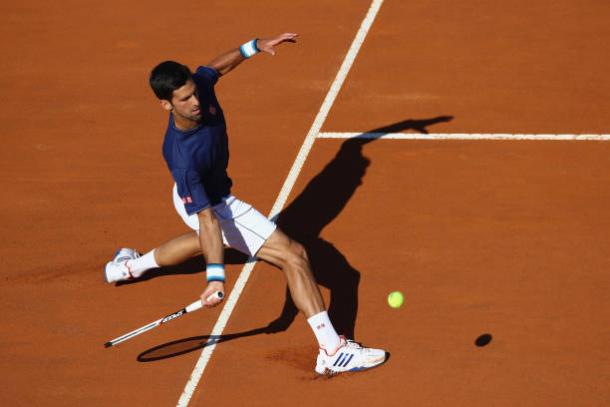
(504, 238)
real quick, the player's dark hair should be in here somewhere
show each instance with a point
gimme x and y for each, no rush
(168, 76)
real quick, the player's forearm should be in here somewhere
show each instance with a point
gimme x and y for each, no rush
(210, 239)
(227, 62)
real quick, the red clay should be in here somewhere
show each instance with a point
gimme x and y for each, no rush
(505, 238)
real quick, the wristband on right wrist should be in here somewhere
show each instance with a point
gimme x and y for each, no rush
(215, 272)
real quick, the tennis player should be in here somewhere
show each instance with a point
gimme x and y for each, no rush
(196, 151)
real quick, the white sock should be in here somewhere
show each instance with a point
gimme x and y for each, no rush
(325, 332)
(143, 263)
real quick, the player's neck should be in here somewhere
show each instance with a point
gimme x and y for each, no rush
(184, 123)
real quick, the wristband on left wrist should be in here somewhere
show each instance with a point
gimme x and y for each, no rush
(215, 272)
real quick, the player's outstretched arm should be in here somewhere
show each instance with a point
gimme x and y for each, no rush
(230, 60)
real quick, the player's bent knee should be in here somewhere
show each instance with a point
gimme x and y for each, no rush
(297, 249)
(296, 257)
(284, 252)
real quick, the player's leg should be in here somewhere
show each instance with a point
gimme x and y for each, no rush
(178, 250)
(247, 230)
(336, 354)
(291, 258)
(128, 264)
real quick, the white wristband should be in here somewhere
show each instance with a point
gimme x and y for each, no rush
(249, 49)
(215, 272)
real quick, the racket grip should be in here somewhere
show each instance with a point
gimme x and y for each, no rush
(214, 295)
(194, 306)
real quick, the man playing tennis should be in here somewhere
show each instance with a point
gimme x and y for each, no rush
(196, 152)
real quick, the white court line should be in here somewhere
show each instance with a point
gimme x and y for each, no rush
(231, 301)
(468, 136)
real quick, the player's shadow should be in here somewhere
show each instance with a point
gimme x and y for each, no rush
(318, 205)
(320, 202)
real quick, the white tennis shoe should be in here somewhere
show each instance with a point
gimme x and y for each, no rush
(117, 269)
(349, 357)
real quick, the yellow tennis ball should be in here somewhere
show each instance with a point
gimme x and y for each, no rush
(395, 299)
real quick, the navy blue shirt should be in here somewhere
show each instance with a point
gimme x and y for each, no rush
(198, 158)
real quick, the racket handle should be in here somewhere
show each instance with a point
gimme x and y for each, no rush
(194, 306)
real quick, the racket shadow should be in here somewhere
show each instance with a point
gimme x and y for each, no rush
(187, 345)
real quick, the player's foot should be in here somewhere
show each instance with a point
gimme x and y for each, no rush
(117, 269)
(349, 357)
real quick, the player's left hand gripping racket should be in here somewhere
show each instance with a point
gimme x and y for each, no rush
(189, 308)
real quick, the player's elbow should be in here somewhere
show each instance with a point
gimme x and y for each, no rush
(218, 66)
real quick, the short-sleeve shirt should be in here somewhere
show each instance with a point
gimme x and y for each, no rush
(198, 158)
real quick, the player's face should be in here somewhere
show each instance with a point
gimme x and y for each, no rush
(185, 102)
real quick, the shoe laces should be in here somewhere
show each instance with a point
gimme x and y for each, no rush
(345, 343)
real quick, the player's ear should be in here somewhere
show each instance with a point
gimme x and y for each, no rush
(166, 105)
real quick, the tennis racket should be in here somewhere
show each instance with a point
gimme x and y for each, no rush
(189, 308)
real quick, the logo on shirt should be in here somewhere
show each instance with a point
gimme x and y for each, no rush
(187, 199)
(212, 110)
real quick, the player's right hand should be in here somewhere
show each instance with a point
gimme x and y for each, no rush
(211, 288)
